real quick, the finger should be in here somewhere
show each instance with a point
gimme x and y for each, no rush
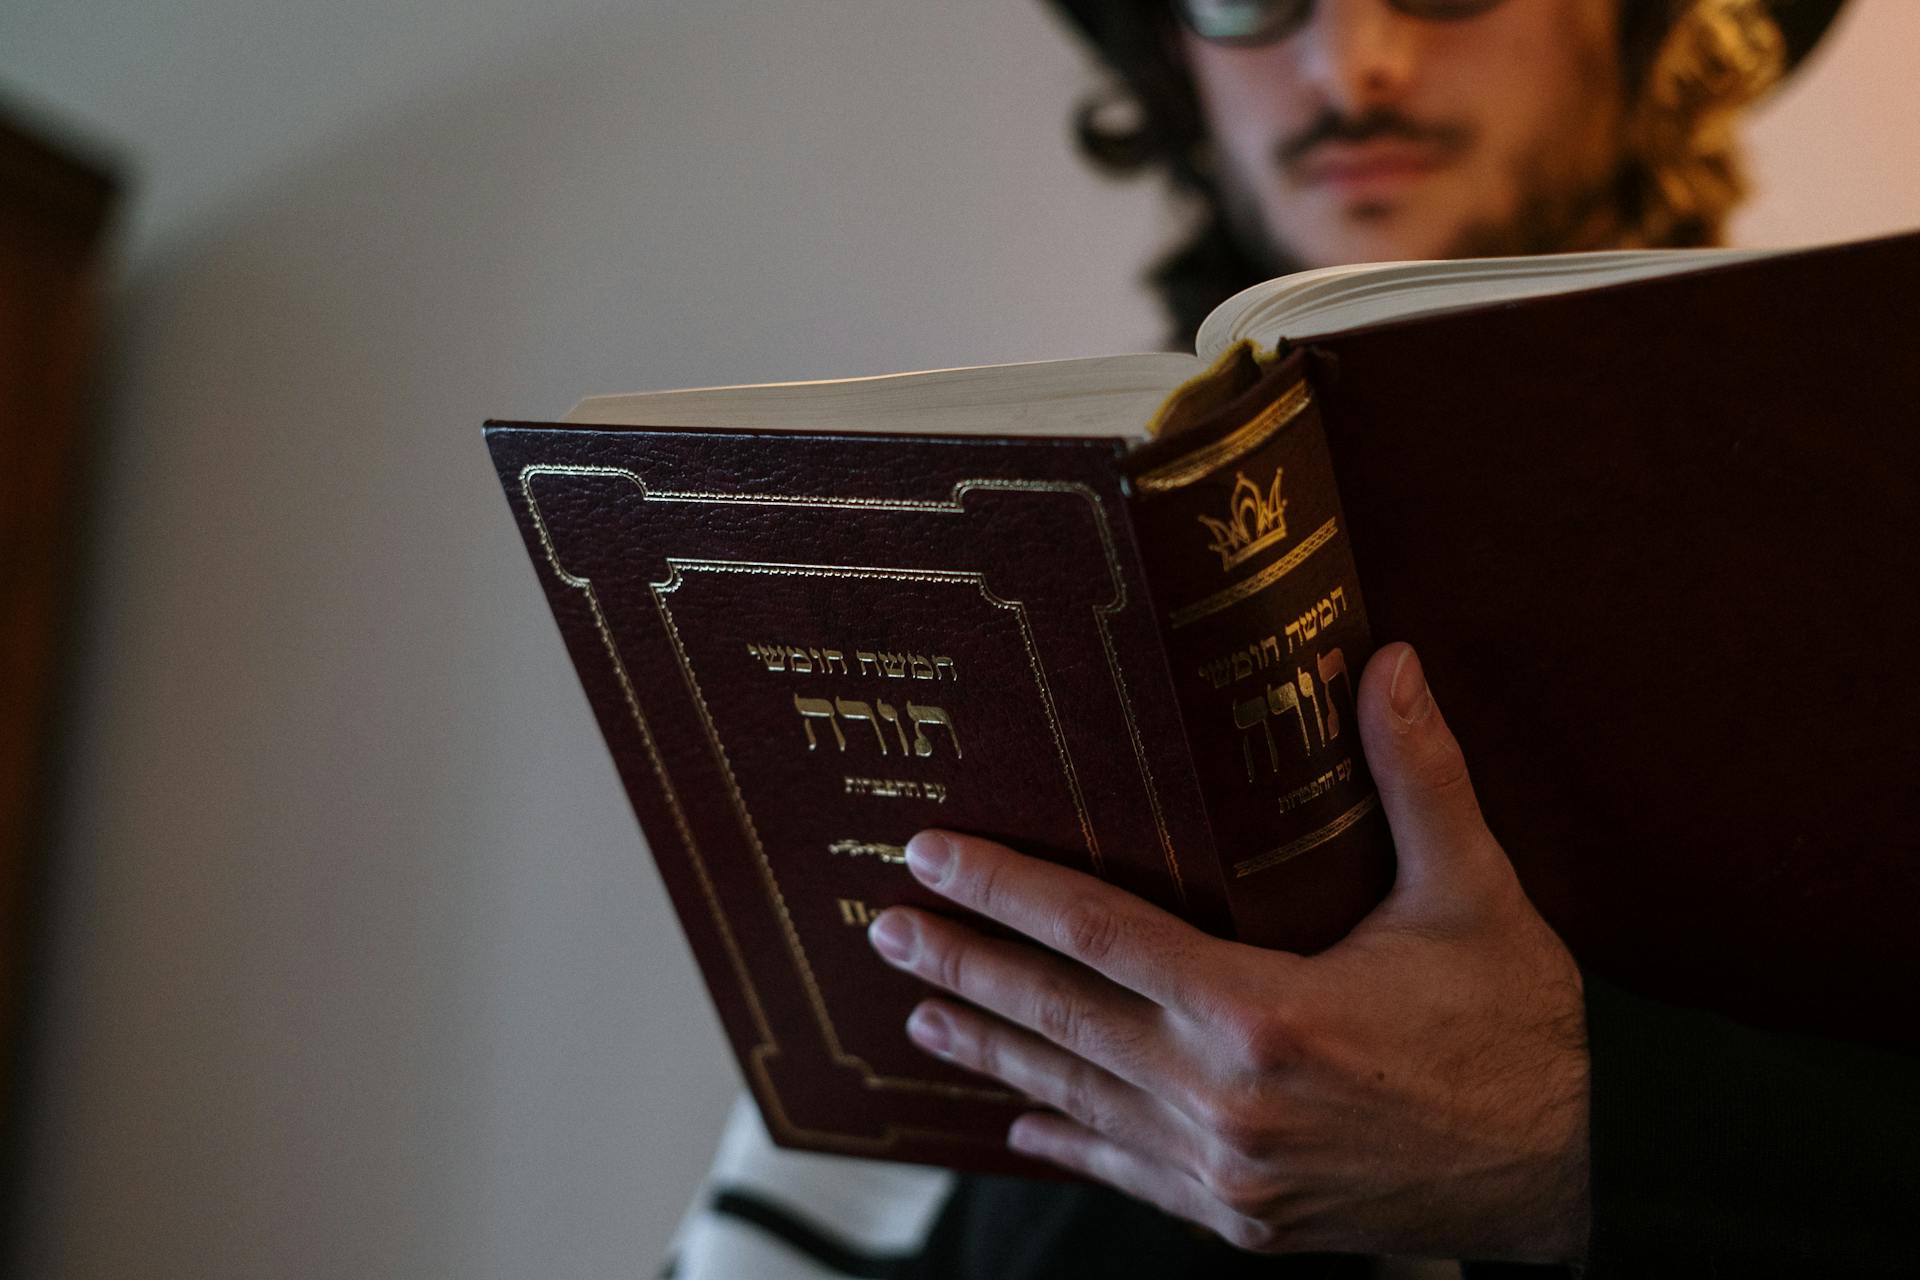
(1137, 945)
(1074, 1146)
(1053, 1077)
(1444, 846)
(1067, 1004)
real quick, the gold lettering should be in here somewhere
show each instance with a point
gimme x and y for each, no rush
(854, 710)
(1282, 699)
(1330, 664)
(892, 717)
(808, 660)
(1312, 791)
(856, 913)
(1246, 715)
(895, 788)
(869, 849)
(1266, 651)
(811, 709)
(926, 715)
(885, 788)
(1305, 681)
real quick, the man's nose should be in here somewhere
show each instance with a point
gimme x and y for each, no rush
(1359, 54)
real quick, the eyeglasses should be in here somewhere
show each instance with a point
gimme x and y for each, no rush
(1249, 22)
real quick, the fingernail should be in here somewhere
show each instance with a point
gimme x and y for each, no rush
(929, 1029)
(1020, 1137)
(1408, 695)
(928, 856)
(894, 937)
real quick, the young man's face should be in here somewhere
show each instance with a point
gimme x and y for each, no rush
(1369, 134)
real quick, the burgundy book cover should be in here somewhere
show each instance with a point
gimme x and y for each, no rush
(804, 649)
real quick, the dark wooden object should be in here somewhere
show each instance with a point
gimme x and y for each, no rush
(53, 213)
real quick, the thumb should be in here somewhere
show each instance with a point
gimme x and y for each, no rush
(1446, 853)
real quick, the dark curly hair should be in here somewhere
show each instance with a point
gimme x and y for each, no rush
(1688, 67)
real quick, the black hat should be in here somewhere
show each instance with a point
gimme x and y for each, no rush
(1801, 22)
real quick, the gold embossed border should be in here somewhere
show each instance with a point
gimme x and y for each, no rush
(768, 1044)
(1312, 840)
(678, 569)
(1254, 584)
(1207, 459)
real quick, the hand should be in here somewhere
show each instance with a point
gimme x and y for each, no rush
(1419, 1088)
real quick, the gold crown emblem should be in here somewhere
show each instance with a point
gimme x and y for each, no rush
(1257, 521)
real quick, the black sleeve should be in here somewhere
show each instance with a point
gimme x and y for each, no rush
(1722, 1150)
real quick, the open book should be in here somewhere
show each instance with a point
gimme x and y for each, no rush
(1651, 519)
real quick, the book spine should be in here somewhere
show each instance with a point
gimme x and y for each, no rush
(1245, 547)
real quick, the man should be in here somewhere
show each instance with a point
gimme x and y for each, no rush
(1324, 134)
(1444, 1082)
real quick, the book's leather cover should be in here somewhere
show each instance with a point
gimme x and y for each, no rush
(1658, 547)
(804, 649)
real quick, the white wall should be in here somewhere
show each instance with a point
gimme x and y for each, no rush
(1836, 153)
(361, 970)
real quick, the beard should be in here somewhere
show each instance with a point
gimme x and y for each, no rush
(1553, 213)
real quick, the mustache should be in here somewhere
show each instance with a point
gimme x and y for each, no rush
(1381, 122)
